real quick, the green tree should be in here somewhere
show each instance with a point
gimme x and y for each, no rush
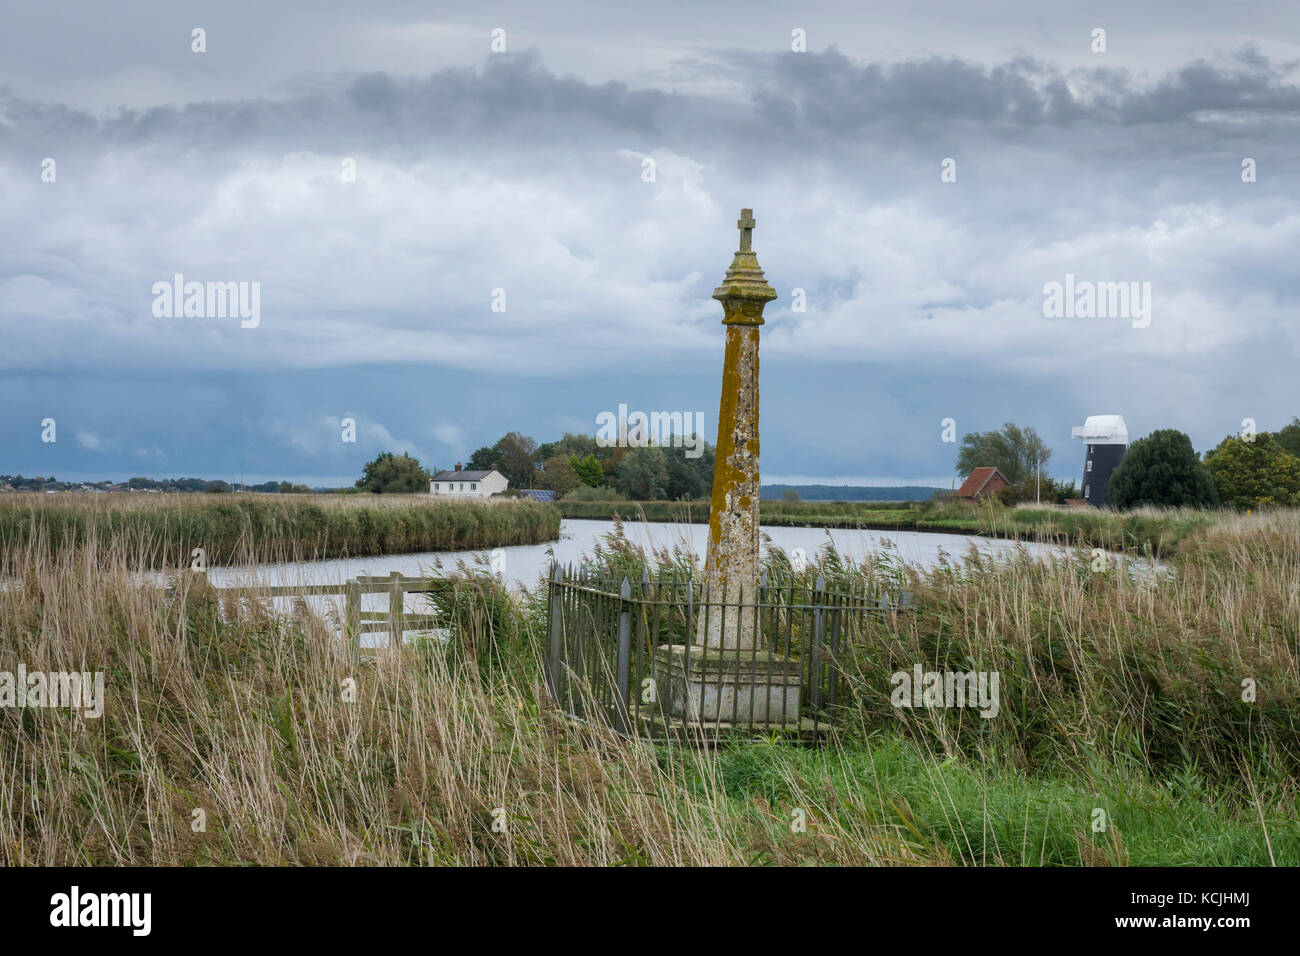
(571, 445)
(1161, 469)
(689, 477)
(1248, 474)
(1014, 451)
(559, 475)
(482, 459)
(389, 474)
(643, 474)
(1289, 437)
(514, 455)
(589, 470)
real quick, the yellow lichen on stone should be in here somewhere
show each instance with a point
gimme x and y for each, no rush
(731, 566)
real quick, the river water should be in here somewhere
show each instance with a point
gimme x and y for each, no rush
(524, 565)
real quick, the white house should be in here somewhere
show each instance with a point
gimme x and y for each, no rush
(468, 484)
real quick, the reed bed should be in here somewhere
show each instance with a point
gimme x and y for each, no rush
(161, 531)
(297, 753)
(1191, 667)
(1121, 692)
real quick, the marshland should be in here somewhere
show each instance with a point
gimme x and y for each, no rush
(1144, 719)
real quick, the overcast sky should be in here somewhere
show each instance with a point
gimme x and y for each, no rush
(523, 171)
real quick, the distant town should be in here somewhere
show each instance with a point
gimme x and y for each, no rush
(52, 485)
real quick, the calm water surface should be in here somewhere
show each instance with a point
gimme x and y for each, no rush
(526, 564)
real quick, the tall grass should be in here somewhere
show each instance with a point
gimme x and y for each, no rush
(1120, 692)
(1157, 531)
(1121, 664)
(157, 531)
(251, 718)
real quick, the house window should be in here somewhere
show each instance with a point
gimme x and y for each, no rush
(436, 486)
(473, 486)
(1089, 468)
(1087, 492)
(462, 486)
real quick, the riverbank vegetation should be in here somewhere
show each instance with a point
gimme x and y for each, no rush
(1155, 531)
(157, 531)
(1145, 719)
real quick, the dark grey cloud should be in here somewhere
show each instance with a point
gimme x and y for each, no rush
(826, 93)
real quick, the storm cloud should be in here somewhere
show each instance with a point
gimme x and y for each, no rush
(525, 172)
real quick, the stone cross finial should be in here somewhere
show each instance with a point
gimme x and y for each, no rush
(746, 225)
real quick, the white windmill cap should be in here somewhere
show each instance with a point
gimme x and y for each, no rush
(1102, 430)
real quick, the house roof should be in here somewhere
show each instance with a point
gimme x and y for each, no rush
(980, 477)
(541, 494)
(462, 475)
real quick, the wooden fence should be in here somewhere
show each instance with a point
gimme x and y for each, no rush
(356, 621)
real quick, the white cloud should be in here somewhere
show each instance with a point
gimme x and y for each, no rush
(449, 434)
(92, 442)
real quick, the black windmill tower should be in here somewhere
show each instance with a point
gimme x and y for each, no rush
(1106, 438)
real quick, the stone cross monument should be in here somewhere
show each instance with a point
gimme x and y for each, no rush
(732, 561)
(726, 676)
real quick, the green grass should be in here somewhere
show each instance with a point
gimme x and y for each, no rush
(938, 808)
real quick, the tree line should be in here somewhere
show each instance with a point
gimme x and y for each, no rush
(1247, 470)
(574, 466)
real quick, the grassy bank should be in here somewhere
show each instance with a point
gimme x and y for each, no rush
(1160, 532)
(155, 531)
(830, 513)
(1119, 693)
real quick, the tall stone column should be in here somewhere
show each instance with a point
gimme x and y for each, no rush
(731, 564)
(724, 677)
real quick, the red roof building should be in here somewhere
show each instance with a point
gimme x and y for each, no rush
(982, 481)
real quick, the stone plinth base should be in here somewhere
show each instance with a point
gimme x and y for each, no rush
(727, 686)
